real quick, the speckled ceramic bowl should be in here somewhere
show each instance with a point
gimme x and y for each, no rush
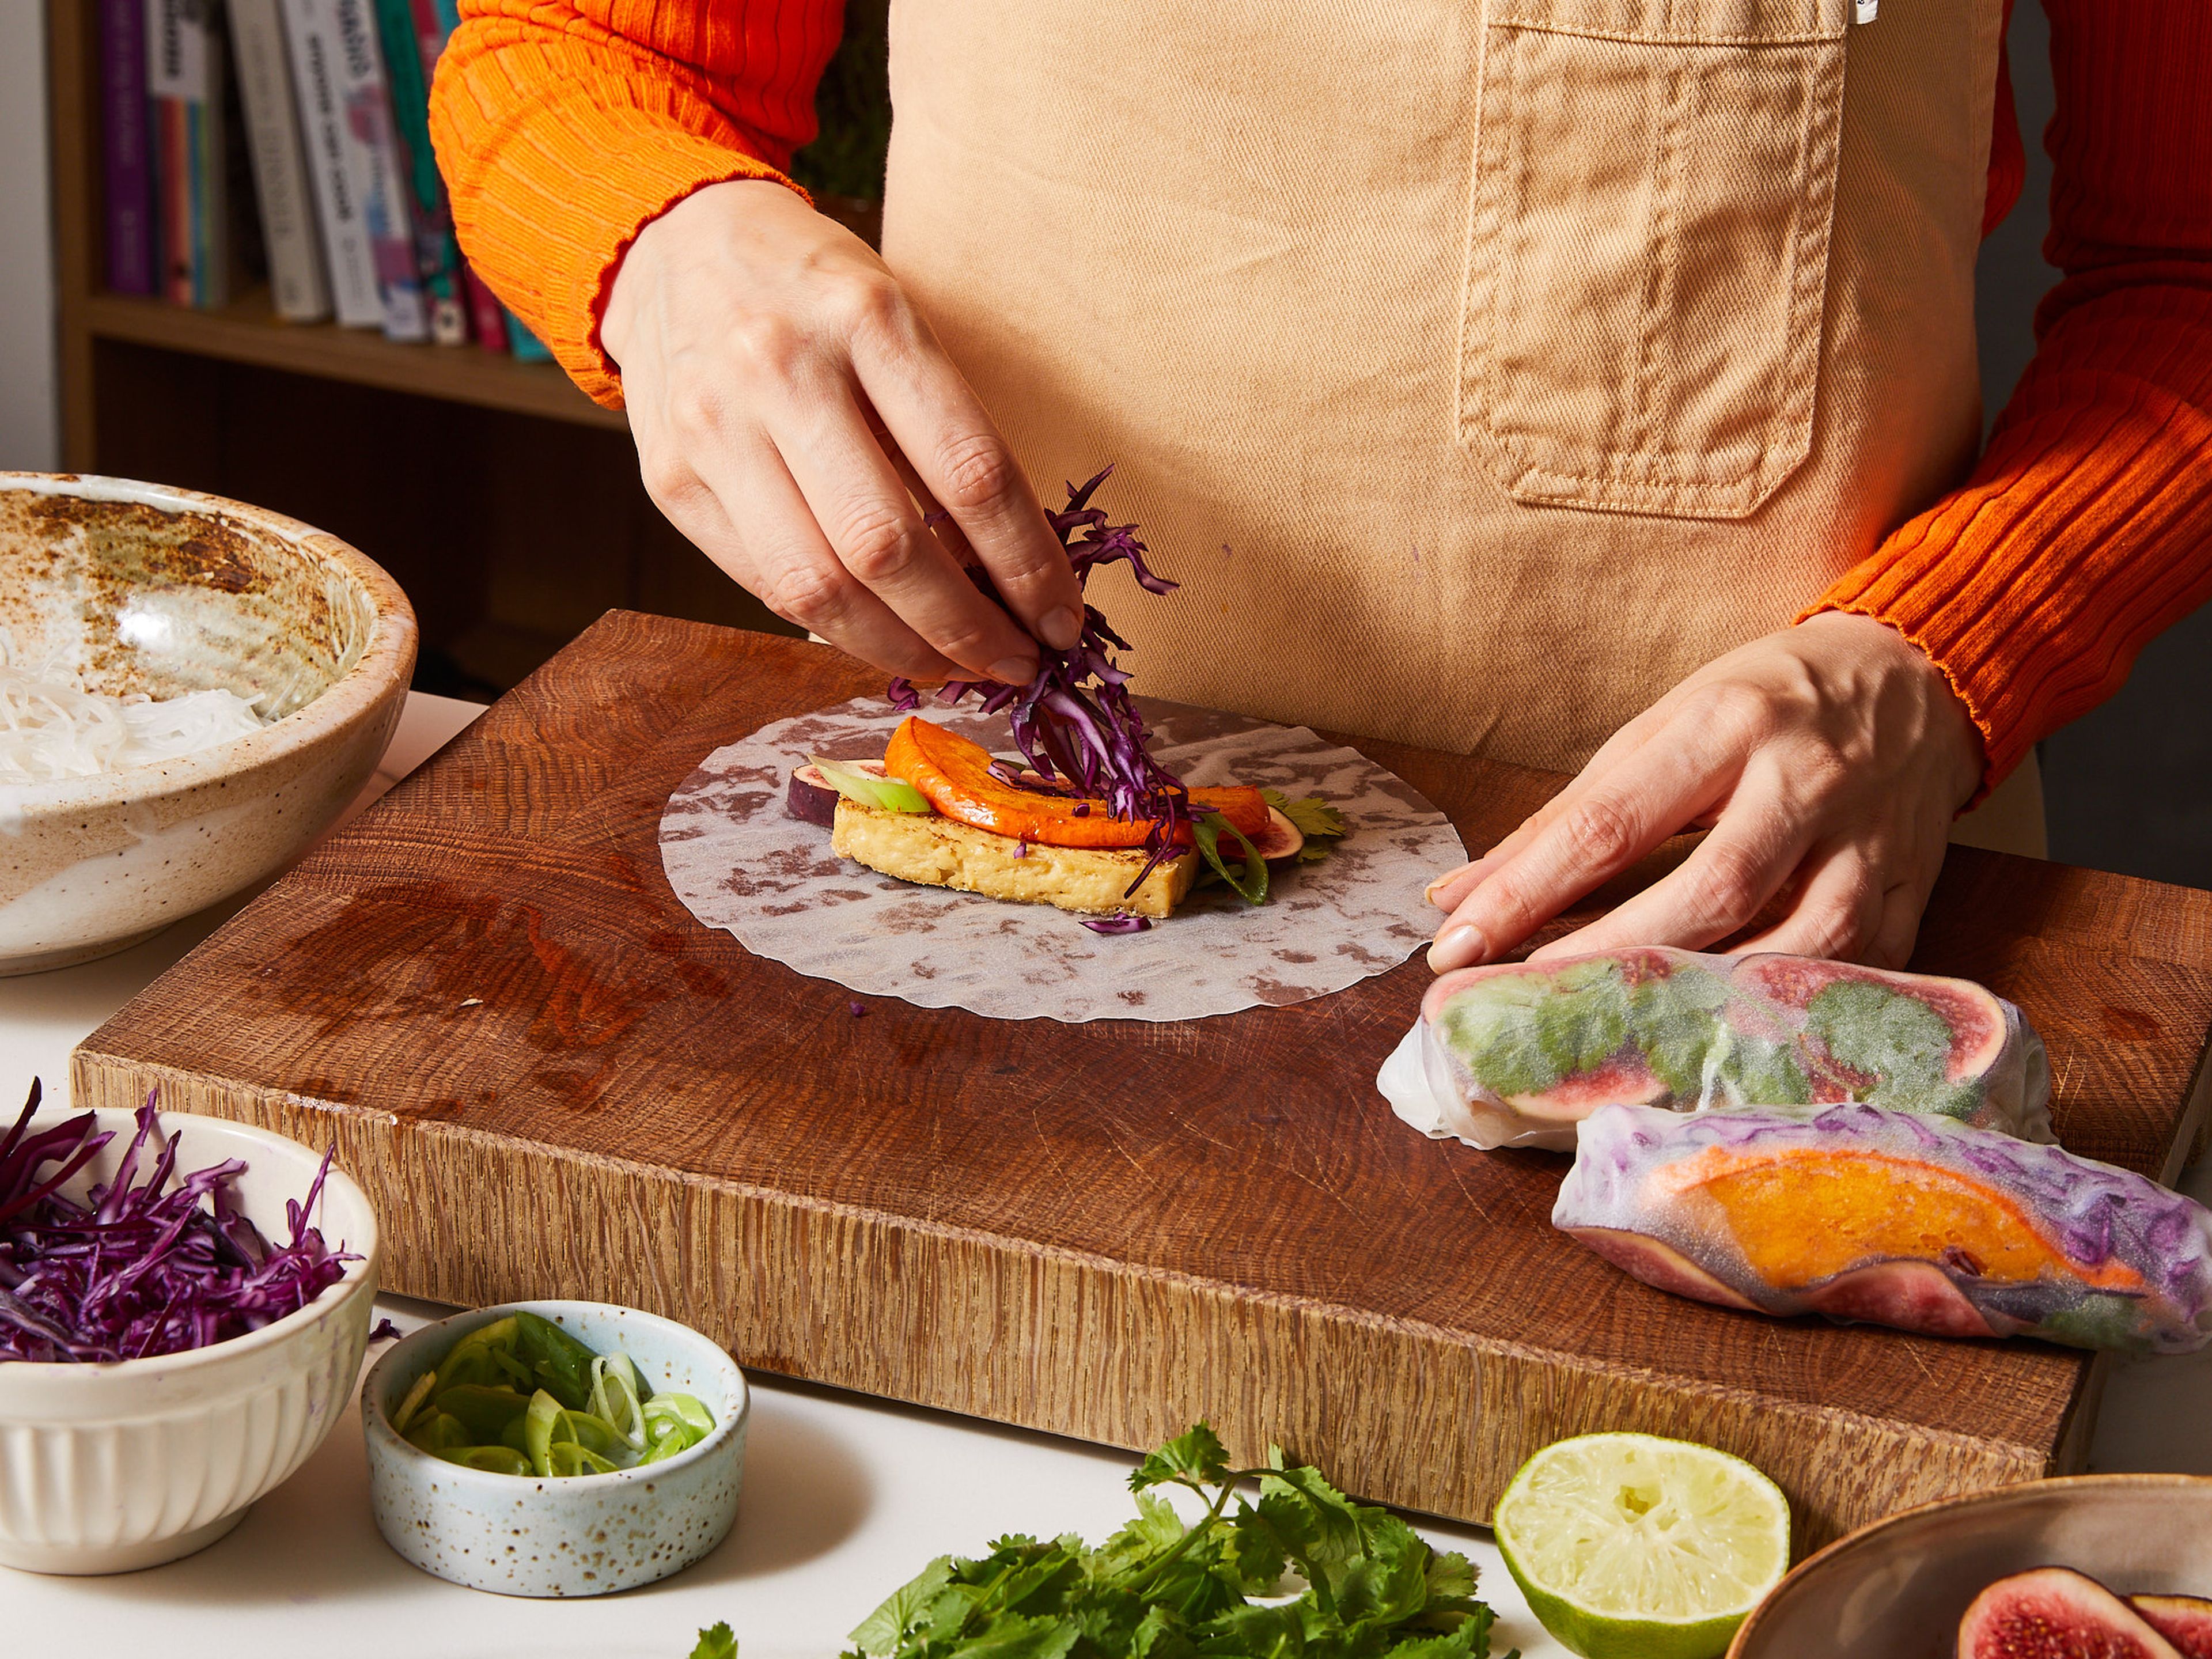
(586, 1536)
(108, 1469)
(163, 590)
(1898, 1587)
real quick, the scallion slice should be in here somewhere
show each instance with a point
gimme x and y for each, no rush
(889, 794)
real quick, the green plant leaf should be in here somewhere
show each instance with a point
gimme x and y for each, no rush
(880, 1633)
(1681, 1020)
(1194, 1457)
(1011, 1636)
(1521, 1033)
(1898, 1038)
(716, 1643)
(1250, 881)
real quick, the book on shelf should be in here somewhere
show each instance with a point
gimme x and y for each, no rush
(526, 347)
(346, 107)
(125, 148)
(184, 105)
(337, 173)
(412, 39)
(487, 316)
(299, 280)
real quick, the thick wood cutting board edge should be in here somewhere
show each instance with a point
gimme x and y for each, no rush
(1094, 1230)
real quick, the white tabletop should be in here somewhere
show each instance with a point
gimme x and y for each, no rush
(845, 1497)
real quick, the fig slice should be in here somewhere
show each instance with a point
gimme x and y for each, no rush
(2055, 1613)
(1280, 840)
(2184, 1620)
(812, 799)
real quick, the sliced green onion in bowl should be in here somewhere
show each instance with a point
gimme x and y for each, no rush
(679, 1409)
(439, 1432)
(492, 1459)
(614, 1397)
(583, 1413)
(569, 1460)
(417, 1395)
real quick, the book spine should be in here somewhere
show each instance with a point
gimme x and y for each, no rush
(366, 98)
(126, 147)
(337, 170)
(486, 315)
(409, 56)
(184, 91)
(297, 278)
(436, 20)
(174, 81)
(526, 347)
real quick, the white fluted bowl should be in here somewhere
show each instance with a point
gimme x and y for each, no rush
(107, 1468)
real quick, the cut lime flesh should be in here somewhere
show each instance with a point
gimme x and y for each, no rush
(1630, 1544)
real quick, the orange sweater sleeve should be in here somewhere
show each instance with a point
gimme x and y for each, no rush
(564, 126)
(2087, 526)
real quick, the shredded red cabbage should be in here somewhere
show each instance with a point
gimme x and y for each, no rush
(149, 1269)
(1120, 923)
(1075, 719)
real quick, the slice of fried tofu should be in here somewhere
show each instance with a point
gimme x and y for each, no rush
(940, 852)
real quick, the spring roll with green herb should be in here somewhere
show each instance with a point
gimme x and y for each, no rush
(1517, 1054)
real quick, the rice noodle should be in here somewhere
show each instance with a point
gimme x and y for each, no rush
(51, 727)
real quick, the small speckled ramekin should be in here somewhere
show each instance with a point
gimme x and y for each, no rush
(518, 1535)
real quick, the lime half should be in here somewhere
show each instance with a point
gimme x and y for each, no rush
(1629, 1547)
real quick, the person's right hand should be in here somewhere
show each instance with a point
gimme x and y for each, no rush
(790, 407)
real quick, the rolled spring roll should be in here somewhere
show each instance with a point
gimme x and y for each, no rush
(1517, 1054)
(1894, 1218)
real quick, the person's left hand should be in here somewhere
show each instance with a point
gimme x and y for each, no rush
(1828, 759)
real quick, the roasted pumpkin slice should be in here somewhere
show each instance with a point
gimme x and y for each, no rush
(955, 775)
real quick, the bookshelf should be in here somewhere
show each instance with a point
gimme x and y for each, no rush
(505, 502)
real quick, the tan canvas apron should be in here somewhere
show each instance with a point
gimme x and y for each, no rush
(1480, 369)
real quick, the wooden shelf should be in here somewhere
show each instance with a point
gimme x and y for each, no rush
(249, 332)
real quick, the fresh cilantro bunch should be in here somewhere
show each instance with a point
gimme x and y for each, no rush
(1161, 1589)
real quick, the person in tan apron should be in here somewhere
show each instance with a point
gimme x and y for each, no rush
(1506, 379)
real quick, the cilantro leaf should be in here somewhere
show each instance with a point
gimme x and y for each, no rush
(1011, 1636)
(879, 1634)
(1193, 1458)
(716, 1643)
(1257, 1552)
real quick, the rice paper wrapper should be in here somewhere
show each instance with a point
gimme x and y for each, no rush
(1517, 1054)
(739, 861)
(1894, 1218)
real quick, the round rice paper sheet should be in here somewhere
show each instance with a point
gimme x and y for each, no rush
(739, 860)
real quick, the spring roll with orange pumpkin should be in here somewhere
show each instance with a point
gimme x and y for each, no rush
(1894, 1218)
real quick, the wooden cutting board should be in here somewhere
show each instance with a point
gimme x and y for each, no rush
(553, 1082)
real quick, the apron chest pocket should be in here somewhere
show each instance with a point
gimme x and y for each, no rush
(1652, 186)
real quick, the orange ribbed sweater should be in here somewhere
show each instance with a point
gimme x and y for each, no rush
(564, 126)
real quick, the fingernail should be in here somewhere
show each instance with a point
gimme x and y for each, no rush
(1445, 880)
(1061, 628)
(1462, 946)
(1015, 671)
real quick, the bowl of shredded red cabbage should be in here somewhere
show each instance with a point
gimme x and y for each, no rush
(184, 1305)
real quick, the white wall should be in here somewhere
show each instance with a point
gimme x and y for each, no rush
(29, 426)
